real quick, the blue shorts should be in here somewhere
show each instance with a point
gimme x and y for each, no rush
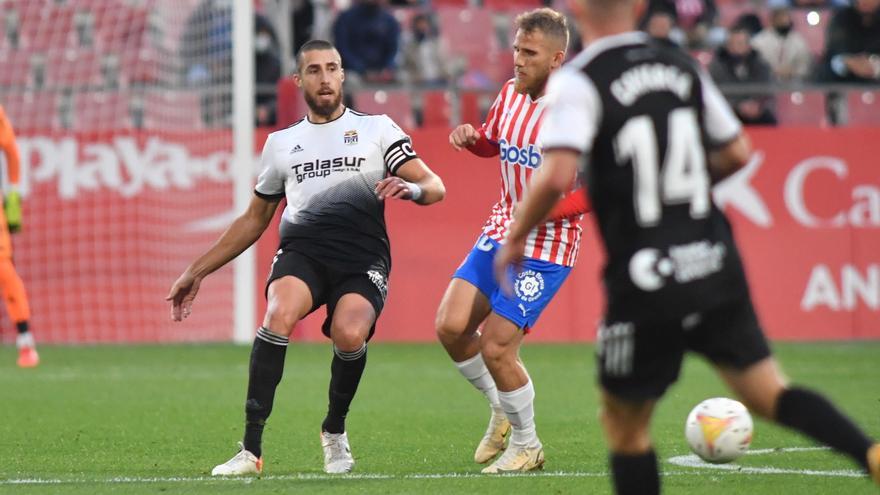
(534, 286)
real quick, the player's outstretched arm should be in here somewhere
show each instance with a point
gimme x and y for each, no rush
(243, 232)
(475, 140)
(548, 184)
(414, 181)
(731, 157)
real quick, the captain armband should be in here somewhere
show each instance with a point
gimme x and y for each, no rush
(398, 154)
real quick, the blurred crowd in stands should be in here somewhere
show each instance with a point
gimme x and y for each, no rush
(464, 43)
(139, 63)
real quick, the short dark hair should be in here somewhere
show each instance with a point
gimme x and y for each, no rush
(309, 46)
(546, 20)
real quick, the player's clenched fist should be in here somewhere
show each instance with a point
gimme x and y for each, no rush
(463, 136)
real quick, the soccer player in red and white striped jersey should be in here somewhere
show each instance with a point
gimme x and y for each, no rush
(490, 361)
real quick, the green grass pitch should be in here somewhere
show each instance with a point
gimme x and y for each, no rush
(156, 419)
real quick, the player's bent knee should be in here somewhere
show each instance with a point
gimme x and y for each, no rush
(447, 328)
(349, 337)
(493, 352)
(281, 318)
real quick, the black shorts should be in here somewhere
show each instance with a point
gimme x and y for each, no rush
(328, 283)
(640, 360)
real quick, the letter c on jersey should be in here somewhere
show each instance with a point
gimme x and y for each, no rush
(643, 272)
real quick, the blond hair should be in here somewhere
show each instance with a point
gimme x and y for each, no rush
(547, 21)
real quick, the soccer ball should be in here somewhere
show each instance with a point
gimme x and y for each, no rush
(719, 430)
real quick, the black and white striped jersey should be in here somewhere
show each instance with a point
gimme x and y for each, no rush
(328, 173)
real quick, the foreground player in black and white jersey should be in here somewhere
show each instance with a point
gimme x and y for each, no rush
(336, 167)
(652, 132)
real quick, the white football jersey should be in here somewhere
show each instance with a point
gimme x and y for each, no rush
(328, 173)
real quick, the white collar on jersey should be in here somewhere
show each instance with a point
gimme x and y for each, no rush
(606, 43)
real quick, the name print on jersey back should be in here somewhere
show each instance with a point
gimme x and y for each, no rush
(319, 168)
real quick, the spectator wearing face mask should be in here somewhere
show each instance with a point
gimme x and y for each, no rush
(737, 63)
(782, 47)
(695, 18)
(267, 66)
(424, 56)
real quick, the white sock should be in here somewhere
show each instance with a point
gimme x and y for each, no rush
(476, 372)
(25, 340)
(519, 405)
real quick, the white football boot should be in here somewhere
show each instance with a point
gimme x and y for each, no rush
(241, 464)
(493, 441)
(517, 459)
(337, 453)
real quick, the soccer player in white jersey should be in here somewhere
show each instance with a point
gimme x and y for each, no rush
(490, 359)
(336, 167)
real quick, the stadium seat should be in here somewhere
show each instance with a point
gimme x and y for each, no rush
(73, 67)
(470, 33)
(471, 112)
(291, 105)
(32, 110)
(801, 109)
(102, 111)
(45, 26)
(814, 33)
(864, 108)
(16, 67)
(396, 103)
(121, 27)
(141, 65)
(436, 109)
(172, 111)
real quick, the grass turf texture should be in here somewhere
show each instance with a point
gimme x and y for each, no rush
(156, 419)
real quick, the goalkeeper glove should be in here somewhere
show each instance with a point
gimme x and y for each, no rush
(12, 208)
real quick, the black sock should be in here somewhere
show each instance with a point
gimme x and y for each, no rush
(635, 474)
(813, 415)
(345, 375)
(22, 326)
(266, 368)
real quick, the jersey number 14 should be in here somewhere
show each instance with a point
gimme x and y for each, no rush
(683, 178)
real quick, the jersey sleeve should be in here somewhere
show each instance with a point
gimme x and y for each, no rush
(721, 123)
(573, 113)
(396, 145)
(270, 184)
(10, 149)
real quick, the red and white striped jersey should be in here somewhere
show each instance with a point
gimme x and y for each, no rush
(513, 123)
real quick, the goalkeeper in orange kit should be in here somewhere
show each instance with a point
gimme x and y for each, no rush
(10, 221)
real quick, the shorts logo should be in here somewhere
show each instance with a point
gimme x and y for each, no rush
(529, 285)
(350, 137)
(379, 281)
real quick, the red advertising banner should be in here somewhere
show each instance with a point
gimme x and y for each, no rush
(806, 213)
(110, 220)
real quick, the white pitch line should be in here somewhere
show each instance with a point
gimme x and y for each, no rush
(692, 461)
(316, 476)
(688, 461)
